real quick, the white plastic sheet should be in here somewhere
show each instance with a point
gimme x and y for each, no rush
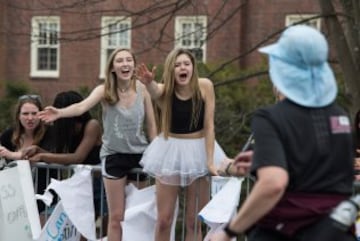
(141, 214)
(76, 197)
(223, 204)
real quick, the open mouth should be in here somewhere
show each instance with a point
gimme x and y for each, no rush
(183, 76)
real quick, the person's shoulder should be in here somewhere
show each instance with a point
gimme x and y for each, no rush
(93, 124)
(205, 81)
(7, 131)
(7, 134)
(282, 105)
(140, 86)
(100, 87)
(338, 108)
(5, 138)
(92, 129)
(268, 110)
(206, 84)
(280, 111)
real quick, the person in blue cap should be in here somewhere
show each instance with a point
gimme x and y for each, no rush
(303, 150)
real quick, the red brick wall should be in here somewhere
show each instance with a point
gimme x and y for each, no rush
(2, 47)
(80, 59)
(265, 17)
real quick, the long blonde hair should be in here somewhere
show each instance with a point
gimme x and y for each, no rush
(168, 79)
(111, 94)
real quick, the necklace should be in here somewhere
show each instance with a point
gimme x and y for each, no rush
(123, 90)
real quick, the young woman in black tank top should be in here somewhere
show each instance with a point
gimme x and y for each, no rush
(183, 154)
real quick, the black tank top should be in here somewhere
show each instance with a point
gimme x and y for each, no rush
(181, 116)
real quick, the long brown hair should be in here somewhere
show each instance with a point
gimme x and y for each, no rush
(169, 85)
(19, 129)
(111, 95)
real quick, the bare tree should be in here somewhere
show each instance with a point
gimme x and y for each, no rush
(344, 29)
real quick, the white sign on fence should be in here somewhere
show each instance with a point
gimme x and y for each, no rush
(19, 217)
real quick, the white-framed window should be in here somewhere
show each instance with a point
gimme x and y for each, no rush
(45, 46)
(115, 33)
(190, 33)
(294, 18)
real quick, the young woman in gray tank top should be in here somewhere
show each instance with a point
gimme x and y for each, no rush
(126, 107)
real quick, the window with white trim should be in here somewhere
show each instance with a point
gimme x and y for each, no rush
(190, 33)
(115, 33)
(45, 46)
(294, 18)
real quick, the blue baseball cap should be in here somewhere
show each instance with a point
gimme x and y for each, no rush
(299, 69)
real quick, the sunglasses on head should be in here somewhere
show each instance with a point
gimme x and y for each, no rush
(33, 97)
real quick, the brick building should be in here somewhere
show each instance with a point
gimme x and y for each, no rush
(59, 45)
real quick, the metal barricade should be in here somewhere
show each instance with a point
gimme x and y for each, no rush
(42, 173)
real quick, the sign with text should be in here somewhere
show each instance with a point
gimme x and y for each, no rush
(19, 217)
(59, 227)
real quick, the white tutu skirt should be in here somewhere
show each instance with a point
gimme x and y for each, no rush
(178, 161)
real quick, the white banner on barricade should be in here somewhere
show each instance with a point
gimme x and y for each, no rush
(75, 212)
(19, 217)
(223, 204)
(59, 227)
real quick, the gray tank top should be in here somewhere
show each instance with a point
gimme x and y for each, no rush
(123, 128)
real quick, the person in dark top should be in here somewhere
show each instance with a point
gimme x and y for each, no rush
(185, 151)
(76, 140)
(357, 129)
(357, 145)
(27, 130)
(303, 149)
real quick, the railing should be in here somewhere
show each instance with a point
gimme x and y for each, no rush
(43, 172)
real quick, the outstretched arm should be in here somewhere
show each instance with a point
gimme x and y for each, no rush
(147, 77)
(50, 113)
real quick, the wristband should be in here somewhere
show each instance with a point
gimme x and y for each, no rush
(230, 233)
(228, 168)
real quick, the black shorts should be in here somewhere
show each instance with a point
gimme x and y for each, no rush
(119, 165)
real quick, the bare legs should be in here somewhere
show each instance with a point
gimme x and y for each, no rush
(197, 195)
(115, 193)
(166, 196)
